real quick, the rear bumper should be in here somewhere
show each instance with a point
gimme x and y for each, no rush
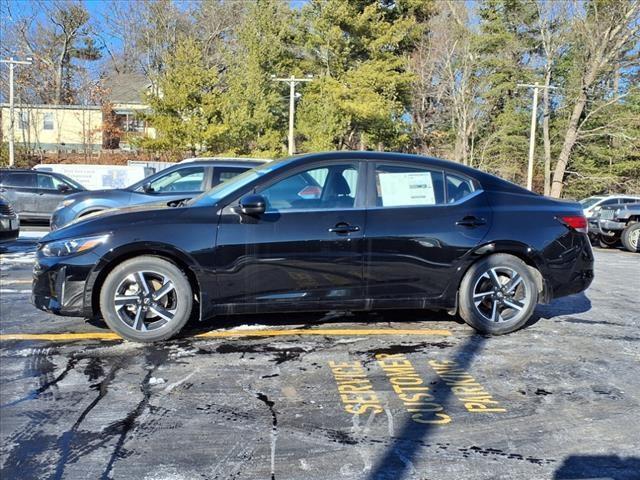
(570, 270)
(9, 227)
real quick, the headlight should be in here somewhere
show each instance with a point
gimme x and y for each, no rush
(63, 248)
(66, 203)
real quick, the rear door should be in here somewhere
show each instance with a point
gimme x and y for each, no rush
(19, 188)
(420, 221)
(305, 251)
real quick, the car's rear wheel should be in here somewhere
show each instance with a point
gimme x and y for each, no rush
(498, 294)
(146, 299)
(631, 237)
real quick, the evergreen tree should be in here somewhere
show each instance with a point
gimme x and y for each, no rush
(185, 108)
(506, 43)
(358, 52)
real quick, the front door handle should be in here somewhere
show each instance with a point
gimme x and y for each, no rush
(471, 221)
(344, 228)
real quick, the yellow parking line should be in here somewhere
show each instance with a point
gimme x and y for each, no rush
(231, 333)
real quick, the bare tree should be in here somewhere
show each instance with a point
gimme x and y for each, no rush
(605, 35)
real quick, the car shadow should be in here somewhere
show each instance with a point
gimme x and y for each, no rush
(613, 467)
(571, 305)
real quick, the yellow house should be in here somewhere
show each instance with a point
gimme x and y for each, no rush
(52, 128)
(80, 128)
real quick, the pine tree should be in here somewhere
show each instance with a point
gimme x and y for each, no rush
(185, 108)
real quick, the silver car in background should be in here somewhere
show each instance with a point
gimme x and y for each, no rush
(174, 184)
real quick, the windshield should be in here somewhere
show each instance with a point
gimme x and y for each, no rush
(229, 186)
(587, 202)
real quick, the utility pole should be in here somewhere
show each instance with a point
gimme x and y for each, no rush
(12, 63)
(532, 134)
(292, 81)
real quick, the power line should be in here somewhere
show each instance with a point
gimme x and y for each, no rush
(292, 81)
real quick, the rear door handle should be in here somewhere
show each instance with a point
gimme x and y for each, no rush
(344, 228)
(471, 221)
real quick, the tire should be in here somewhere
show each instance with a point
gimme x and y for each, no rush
(631, 237)
(490, 291)
(154, 296)
(607, 242)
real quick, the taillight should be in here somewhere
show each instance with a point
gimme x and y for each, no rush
(576, 222)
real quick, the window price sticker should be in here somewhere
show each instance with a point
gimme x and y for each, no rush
(411, 188)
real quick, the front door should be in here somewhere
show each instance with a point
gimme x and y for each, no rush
(420, 223)
(304, 252)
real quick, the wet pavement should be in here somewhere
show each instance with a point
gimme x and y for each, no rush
(369, 396)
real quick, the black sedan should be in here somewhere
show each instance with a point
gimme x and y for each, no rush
(343, 230)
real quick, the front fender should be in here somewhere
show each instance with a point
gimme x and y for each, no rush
(115, 256)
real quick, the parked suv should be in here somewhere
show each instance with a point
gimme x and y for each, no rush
(34, 194)
(592, 205)
(617, 222)
(171, 185)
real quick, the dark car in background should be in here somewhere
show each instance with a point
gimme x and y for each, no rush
(617, 223)
(35, 194)
(320, 232)
(176, 183)
(9, 221)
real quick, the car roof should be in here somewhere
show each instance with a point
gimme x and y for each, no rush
(225, 160)
(487, 180)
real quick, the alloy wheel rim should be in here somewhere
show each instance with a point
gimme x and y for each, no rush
(146, 300)
(501, 295)
(633, 238)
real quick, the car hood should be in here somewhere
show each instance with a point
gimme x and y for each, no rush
(113, 219)
(96, 195)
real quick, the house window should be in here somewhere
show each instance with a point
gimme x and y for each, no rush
(47, 121)
(23, 120)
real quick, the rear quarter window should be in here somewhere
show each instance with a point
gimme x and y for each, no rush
(18, 179)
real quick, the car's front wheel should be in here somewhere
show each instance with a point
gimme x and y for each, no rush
(631, 237)
(498, 294)
(146, 299)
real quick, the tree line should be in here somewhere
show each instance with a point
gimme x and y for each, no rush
(436, 77)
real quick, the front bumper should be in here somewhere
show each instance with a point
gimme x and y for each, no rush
(608, 228)
(59, 284)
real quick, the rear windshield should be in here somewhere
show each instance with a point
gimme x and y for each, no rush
(587, 202)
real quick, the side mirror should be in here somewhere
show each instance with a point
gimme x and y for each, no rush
(251, 205)
(147, 188)
(63, 187)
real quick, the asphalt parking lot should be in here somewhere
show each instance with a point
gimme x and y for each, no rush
(370, 396)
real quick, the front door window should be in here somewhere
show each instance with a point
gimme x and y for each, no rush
(326, 188)
(183, 180)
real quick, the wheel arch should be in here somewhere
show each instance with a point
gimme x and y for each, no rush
(524, 252)
(117, 256)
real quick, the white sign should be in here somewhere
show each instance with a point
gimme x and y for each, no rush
(411, 188)
(98, 177)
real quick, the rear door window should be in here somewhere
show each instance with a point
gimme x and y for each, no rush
(404, 186)
(18, 180)
(222, 174)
